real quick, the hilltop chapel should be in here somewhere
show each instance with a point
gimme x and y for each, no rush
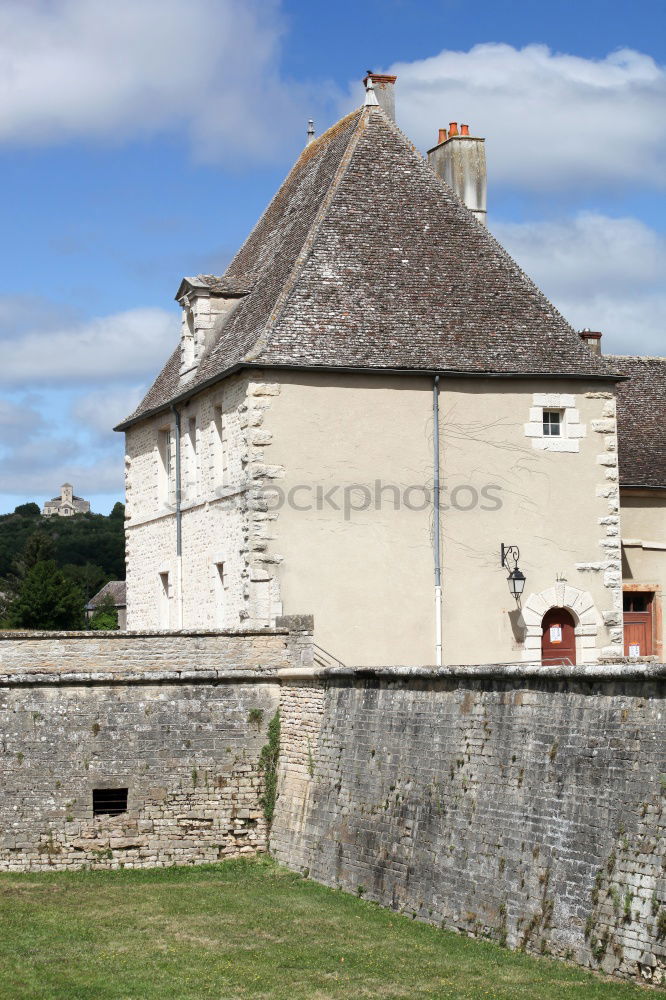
(376, 418)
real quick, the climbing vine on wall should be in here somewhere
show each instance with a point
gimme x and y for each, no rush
(268, 761)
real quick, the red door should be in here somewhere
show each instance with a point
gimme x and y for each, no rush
(638, 623)
(558, 637)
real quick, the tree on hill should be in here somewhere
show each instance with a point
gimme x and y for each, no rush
(46, 599)
(28, 510)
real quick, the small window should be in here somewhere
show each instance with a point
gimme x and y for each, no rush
(164, 608)
(192, 461)
(552, 423)
(220, 595)
(164, 449)
(109, 801)
(221, 447)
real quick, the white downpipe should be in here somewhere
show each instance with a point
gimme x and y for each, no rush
(436, 533)
(438, 626)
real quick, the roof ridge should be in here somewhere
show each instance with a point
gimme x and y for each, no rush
(638, 357)
(264, 337)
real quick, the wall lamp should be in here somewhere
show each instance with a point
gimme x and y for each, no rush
(516, 579)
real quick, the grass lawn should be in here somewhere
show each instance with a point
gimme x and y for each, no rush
(247, 929)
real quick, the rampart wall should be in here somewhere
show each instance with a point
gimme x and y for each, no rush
(178, 720)
(521, 804)
(525, 804)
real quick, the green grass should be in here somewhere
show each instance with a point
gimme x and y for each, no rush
(247, 929)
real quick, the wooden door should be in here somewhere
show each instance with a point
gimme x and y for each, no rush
(558, 637)
(638, 623)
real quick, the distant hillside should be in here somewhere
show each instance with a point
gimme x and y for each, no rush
(90, 548)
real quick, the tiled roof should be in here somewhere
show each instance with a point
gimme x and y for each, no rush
(641, 417)
(114, 589)
(366, 259)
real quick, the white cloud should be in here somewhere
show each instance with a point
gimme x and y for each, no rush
(551, 120)
(125, 345)
(100, 411)
(602, 273)
(92, 68)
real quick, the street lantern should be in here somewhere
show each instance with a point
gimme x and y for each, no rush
(516, 578)
(516, 581)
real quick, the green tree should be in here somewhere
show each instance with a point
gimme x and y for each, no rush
(105, 618)
(39, 547)
(118, 512)
(28, 510)
(46, 599)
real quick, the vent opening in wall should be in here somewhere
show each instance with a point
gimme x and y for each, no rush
(109, 801)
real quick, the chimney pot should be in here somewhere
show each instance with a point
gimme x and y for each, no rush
(462, 165)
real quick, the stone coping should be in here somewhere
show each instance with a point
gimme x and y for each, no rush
(117, 678)
(622, 670)
(110, 636)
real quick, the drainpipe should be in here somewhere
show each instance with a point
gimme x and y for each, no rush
(179, 525)
(438, 565)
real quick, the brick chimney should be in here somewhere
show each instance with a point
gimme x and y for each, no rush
(460, 159)
(384, 91)
(592, 338)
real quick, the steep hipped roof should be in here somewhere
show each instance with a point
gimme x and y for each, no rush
(115, 589)
(366, 259)
(641, 419)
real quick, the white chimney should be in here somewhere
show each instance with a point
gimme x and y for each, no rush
(460, 159)
(384, 87)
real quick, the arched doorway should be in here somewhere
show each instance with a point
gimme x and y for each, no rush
(558, 637)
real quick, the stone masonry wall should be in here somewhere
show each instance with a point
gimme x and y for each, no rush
(226, 520)
(521, 803)
(179, 720)
(187, 753)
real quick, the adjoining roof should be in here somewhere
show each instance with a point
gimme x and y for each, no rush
(114, 589)
(641, 419)
(366, 259)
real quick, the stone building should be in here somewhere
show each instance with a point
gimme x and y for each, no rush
(66, 504)
(115, 590)
(376, 417)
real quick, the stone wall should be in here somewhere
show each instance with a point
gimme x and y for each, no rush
(225, 577)
(523, 804)
(129, 655)
(178, 720)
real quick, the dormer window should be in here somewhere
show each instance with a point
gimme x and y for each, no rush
(206, 301)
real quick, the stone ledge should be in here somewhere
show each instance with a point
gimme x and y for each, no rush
(624, 669)
(163, 634)
(41, 678)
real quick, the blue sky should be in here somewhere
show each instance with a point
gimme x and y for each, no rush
(140, 141)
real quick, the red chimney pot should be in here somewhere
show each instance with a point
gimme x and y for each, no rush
(453, 128)
(443, 136)
(464, 129)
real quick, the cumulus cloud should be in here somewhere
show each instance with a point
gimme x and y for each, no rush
(551, 120)
(60, 348)
(89, 68)
(61, 436)
(602, 273)
(100, 411)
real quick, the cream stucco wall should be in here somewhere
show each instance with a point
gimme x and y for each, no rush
(644, 546)
(325, 507)
(367, 574)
